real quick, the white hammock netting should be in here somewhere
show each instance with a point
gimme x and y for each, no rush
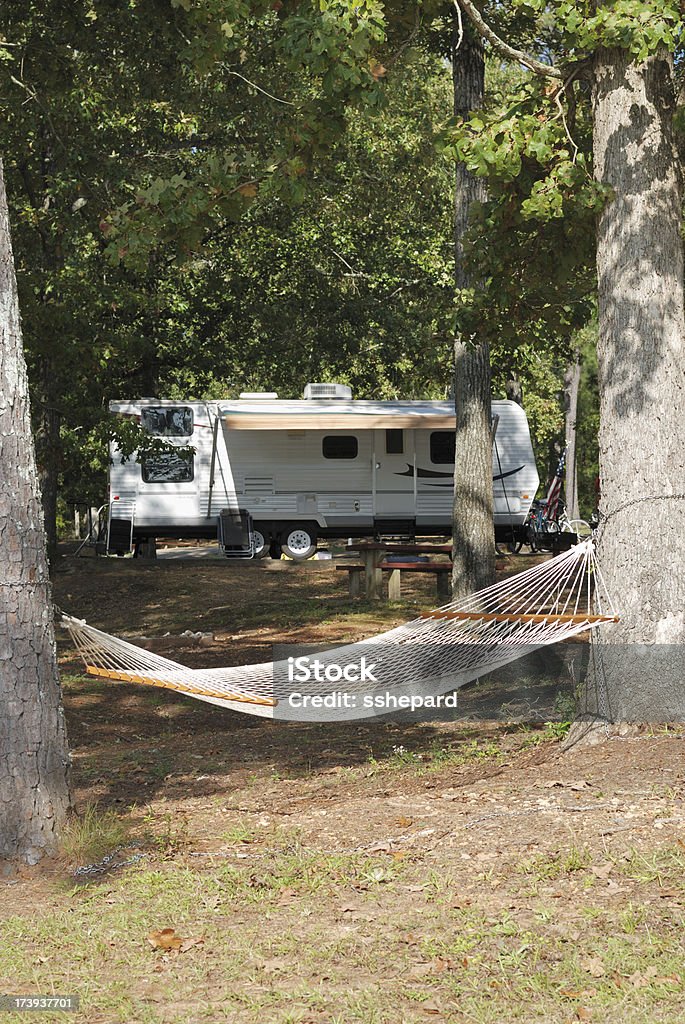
(435, 653)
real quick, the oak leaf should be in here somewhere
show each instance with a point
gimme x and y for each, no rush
(165, 938)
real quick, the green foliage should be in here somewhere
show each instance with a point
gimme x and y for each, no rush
(588, 422)
(352, 281)
(300, 68)
(530, 246)
(634, 25)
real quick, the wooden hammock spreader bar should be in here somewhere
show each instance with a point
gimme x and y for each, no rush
(514, 617)
(132, 677)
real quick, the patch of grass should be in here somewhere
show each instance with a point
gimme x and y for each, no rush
(169, 833)
(565, 706)
(91, 835)
(302, 872)
(556, 730)
(557, 865)
(437, 756)
(239, 833)
(665, 866)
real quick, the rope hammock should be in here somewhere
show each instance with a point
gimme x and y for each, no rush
(435, 653)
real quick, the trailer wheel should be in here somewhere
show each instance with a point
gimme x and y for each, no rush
(299, 543)
(261, 544)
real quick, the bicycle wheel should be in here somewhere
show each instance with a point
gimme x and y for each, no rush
(581, 528)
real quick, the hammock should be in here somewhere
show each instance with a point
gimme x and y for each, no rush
(433, 654)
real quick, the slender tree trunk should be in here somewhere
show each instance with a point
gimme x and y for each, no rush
(641, 368)
(571, 389)
(513, 389)
(34, 794)
(474, 542)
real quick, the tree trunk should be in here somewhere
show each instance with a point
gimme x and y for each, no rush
(34, 794)
(641, 370)
(571, 388)
(513, 388)
(474, 541)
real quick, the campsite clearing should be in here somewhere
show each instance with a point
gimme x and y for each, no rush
(375, 872)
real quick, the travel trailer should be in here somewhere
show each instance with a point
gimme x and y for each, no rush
(320, 467)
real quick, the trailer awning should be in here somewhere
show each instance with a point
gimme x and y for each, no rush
(338, 420)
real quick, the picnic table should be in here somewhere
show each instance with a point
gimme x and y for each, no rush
(373, 558)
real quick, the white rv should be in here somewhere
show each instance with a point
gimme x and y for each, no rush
(323, 466)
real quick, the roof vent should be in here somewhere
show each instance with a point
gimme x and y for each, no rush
(327, 391)
(258, 396)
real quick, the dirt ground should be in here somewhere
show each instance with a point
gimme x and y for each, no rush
(381, 872)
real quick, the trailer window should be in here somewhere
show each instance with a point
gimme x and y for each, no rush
(394, 442)
(337, 446)
(442, 447)
(167, 421)
(168, 468)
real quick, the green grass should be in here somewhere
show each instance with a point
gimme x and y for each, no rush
(557, 865)
(437, 756)
(299, 934)
(91, 835)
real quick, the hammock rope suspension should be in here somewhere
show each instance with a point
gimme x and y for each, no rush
(438, 651)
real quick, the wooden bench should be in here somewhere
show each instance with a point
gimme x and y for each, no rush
(441, 570)
(356, 573)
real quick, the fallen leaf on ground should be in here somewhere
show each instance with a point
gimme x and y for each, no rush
(603, 870)
(594, 965)
(641, 979)
(404, 822)
(443, 963)
(189, 943)
(165, 938)
(431, 1008)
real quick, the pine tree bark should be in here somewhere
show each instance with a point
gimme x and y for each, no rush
(473, 522)
(34, 793)
(641, 366)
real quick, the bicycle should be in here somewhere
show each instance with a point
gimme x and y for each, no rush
(540, 523)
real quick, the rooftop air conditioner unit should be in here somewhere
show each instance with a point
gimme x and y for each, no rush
(328, 391)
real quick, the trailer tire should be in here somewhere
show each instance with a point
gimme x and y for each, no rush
(261, 542)
(299, 542)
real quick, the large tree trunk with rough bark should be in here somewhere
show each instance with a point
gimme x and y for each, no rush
(474, 542)
(34, 794)
(641, 361)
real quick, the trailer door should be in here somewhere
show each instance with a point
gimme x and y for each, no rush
(394, 476)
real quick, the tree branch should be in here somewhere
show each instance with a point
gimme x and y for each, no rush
(253, 85)
(484, 30)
